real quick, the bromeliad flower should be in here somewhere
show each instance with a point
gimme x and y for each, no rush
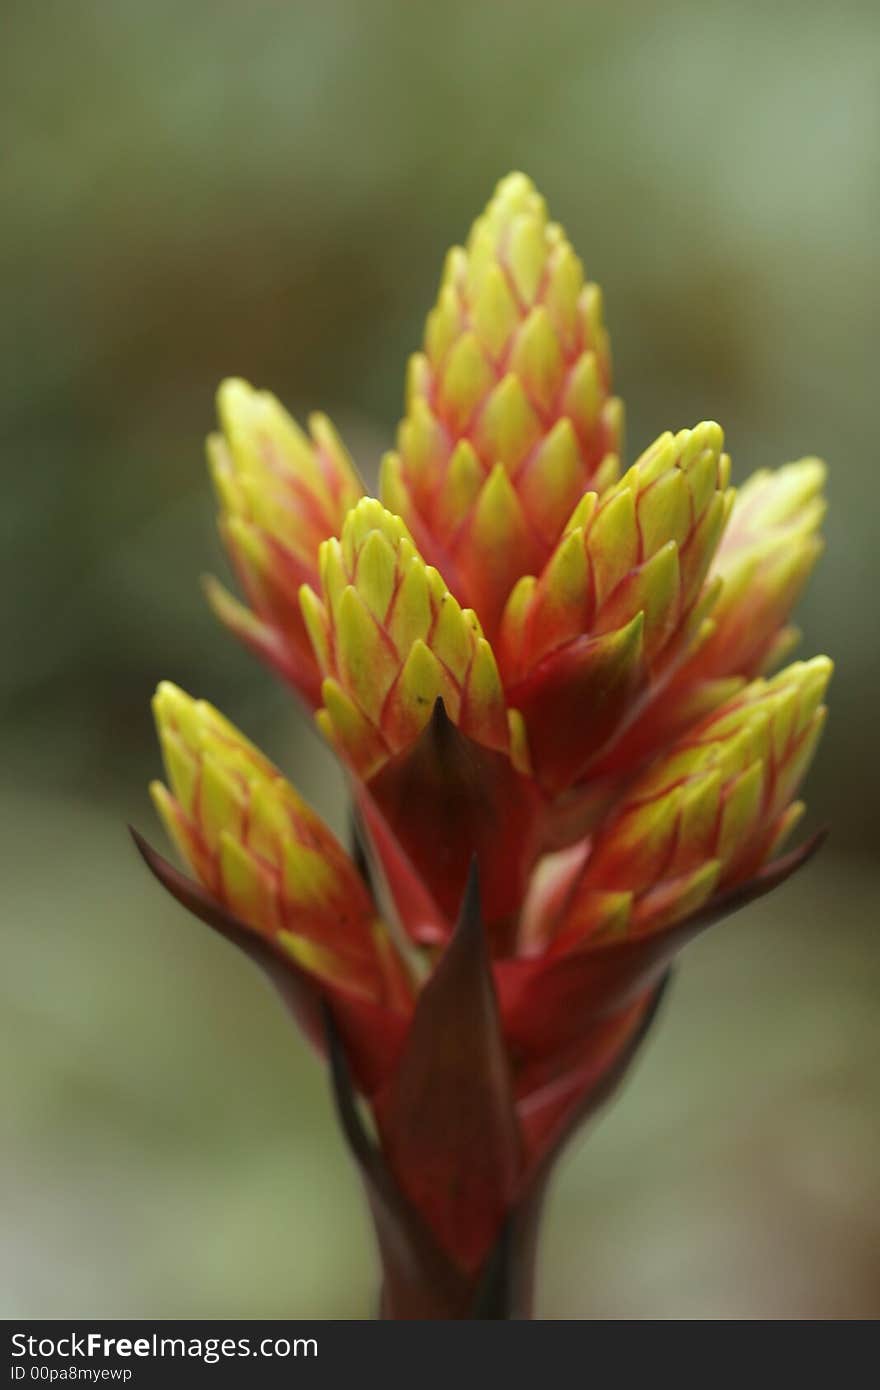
(551, 682)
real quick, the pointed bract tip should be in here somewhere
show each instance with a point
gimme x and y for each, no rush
(139, 842)
(439, 718)
(471, 915)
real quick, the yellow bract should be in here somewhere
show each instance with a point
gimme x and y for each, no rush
(722, 785)
(246, 832)
(390, 640)
(643, 547)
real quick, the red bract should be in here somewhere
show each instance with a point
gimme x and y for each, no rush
(548, 684)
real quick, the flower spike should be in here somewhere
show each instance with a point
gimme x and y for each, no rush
(708, 814)
(509, 416)
(390, 641)
(621, 593)
(763, 562)
(264, 854)
(280, 496)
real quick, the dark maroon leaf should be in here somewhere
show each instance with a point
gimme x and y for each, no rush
(448, 799)
(419, 1279)
(449, 1126)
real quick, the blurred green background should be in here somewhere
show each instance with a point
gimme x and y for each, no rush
(268, 190)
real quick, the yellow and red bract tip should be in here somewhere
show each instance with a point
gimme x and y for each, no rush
(509, 414)
(280, 493)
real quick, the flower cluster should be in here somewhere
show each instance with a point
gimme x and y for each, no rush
(552, 681)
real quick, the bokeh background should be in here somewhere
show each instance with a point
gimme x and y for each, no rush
(268, 189)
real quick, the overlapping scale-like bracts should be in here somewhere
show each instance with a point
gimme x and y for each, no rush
(262, 852)
(509, 416)
(765, 557)
(706, 815)
(621, 594)
(391, 640)
(281, 494)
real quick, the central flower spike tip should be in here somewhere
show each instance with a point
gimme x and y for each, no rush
(508, 414)
(391, 640)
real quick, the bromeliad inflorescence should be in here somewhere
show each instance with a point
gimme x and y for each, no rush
(551, 681)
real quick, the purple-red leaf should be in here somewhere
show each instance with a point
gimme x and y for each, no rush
(448, 799)
(420, 1280)
(448, 1124)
